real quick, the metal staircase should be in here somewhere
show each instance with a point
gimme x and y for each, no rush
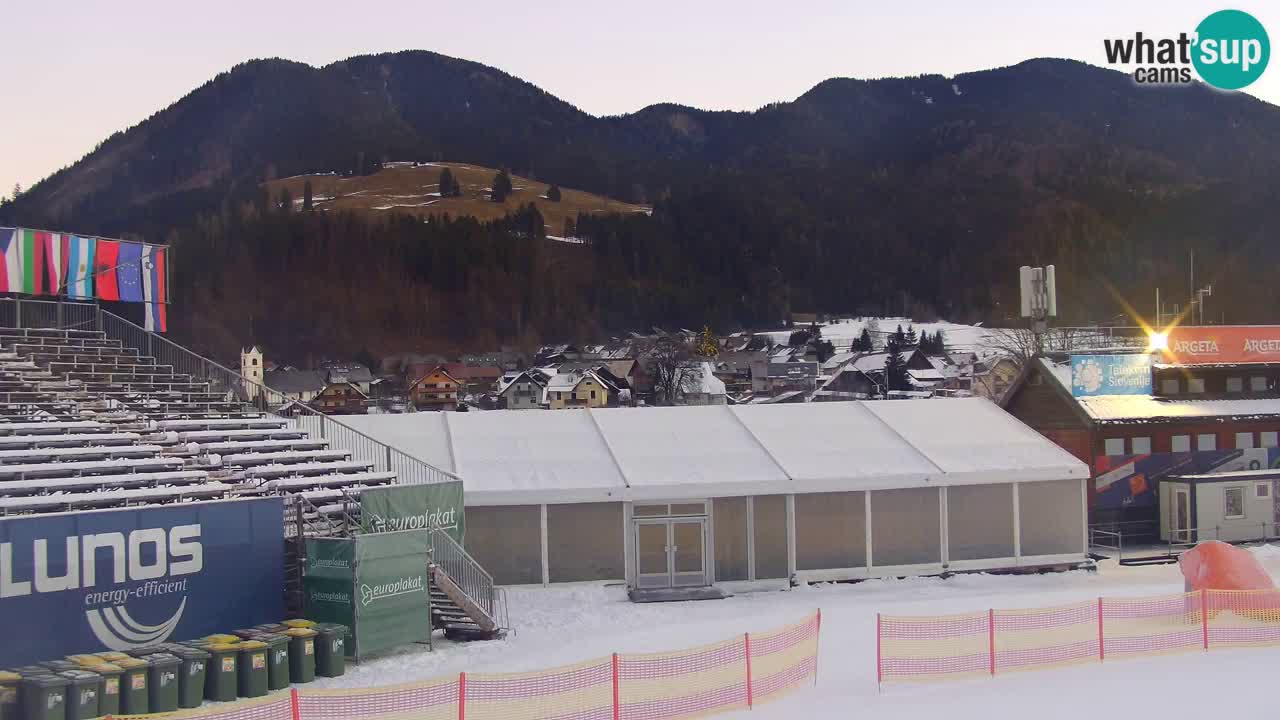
(464, 601)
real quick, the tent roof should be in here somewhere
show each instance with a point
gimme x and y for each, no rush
(612, 454)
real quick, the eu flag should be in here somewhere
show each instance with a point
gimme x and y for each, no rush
(129, 272)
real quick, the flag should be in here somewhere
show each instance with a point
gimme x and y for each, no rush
(80, 267)
(129, 272)
(10, 262)
(105, 258)
(56, 263)
(153, 287)
(35, 244)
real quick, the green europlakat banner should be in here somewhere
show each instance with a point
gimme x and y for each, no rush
(330, 579)
(414, 507)
(374, 584)
(393, 600)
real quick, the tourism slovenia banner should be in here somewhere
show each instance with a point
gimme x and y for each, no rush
(414, 507)
(1110, 375)
(129, 578)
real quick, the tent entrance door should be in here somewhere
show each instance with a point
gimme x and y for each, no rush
(671, 552)
(1181, 516)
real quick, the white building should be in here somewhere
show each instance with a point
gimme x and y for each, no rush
(754, 496)
(251, 361)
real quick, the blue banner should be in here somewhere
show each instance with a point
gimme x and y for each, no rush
(1110, 375)
(122, 579)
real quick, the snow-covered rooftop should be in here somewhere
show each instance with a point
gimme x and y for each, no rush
(614, 454)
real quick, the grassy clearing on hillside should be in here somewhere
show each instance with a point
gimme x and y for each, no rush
(408, 189)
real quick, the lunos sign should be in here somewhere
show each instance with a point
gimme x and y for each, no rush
(1228, 50)
(1110, 375)
(123, 579)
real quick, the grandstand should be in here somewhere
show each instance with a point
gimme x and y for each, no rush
(96, 412)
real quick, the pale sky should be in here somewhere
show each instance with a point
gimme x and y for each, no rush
(78, 70)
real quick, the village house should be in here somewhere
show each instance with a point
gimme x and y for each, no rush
(299, 385)
(523, 390)
(582, 388)
(341, 398)
(701, 386)
(436, 390)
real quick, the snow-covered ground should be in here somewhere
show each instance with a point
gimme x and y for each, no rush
(569, 623)
(972, 338)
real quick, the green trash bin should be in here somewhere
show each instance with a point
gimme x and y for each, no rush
(277, 660)
(58, 666)
(44, 697)
(252, 669)
(109, 698)
(331, 651)
(191, 675)
(84, 689)
(162, 682)
(9, 708)
(302, 654)
(220, 673)
(133, 685)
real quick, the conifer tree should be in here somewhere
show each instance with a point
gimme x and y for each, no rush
(306, 197)
(864, 343)
(706, 345)
(501, 186)
(553, 193)
(911, 338)
(939, 343)
(895, 369)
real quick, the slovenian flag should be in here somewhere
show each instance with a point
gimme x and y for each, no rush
(129, 272)
(10, 261)
(106, 256)
(153, 287)
(80, 267)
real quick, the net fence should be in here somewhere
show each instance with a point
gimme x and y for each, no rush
(728, 675)
(998, 641)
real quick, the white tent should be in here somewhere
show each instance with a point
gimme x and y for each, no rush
(613, 454)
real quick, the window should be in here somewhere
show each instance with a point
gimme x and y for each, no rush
(254, 362)
(1258, 384)
(593, 394)
(1268, 439)
(1207, 441)
(1244, 440)
(1195, 385)
(1235, 385)
(1169, 386)
(1233, 503)
(1262, 490)
(1181, 443)
(1141, 445)
(1114, 446)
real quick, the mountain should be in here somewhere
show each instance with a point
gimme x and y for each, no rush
(918, 194)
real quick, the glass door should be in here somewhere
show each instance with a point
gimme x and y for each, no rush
(688, 553)
(653, 554)
(1181, 516)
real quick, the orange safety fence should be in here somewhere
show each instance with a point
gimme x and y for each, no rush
(997, 641)
(728, 675)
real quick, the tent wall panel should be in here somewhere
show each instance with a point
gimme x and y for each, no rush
(980, 522)
(770, 524)
(730, 541)
(1052, 516)
(830, 531)
(905, 527)
(584, 542)
(507, 541)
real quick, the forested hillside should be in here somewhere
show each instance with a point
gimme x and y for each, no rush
(917, 194)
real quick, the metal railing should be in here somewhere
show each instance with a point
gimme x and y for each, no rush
(23, 312)
(465, 572)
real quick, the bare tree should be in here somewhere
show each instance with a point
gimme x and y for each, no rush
(668, 360)
(1021, 344)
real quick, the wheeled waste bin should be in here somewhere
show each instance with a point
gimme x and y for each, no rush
(220, 673)
(133, 685)
(9, 708)
(162, 682)
(191, 675)
(252, 669)
(302, 654)
(331, 654)
(44, 697)
(84, 688)
(277, 660)
(109, 698)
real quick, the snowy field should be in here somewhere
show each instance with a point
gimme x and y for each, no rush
(970, 338)
(569, 623)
